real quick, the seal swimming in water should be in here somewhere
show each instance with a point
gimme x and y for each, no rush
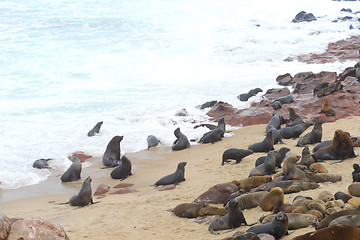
(266, 168)
(173, 178)
(236, 154)
(294, 131)
(42, 163)
(123, 170)
(277, 228)
(181, 141)
(112, 153)
(95, 129)
(264, 146)
(312, 137)
(232, 220)
(73, 172)
(152, 141)
(84, 197)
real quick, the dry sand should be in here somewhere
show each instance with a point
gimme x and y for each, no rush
(144, 214)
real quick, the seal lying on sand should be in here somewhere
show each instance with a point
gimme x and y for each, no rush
(123, 170)
(84, 197)
(173, 178)
(296, 220)
(181, 141)
(334, 232)
(112, 153)
(95, 129)
(42, 163)
(236, 154)
(73, 172)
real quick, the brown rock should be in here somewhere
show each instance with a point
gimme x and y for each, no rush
(221, 109)
(285, 79)
(124, 185)
(354, 189)
(276, 93)
(5, 225)
(124, 191)
(81, 155)
(35, 228)
(217, 194)
(166, 187)
(265, 236)
(101, 189)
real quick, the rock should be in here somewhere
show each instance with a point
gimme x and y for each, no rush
(124, 191)
(276, 93)
(81, 155)
(5, 226)
(217, 194)
(285, 79)
(354, 189)
(166, 187)
(101, 189)
(182, 113)
(221, 109)
(265, 236)
(36, 228)
(124, 185)
(304, 17)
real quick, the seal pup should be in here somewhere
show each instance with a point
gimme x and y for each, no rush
(266, 168)
(306, 158)
(212, 136)
(123, 170)
(41, 163)
(112, 153)
(318, 168)
(95, 130)
(275, 121)
(326, 221)
(181, 141)
(356, 173)
(152, 141)
(264, 146)
(173, 178)
(277, 228)
(235, 154)
(84, 197)
(312, 137)
(325, 109)
(233, 219)
(73, 172)
(279, 157)
(294, 118)
(294, 131)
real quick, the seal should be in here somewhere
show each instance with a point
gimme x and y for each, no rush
(173, 178)
(250, 200)
(327, 220)
(294, 131)
(356, 173)
(291, 172)
(277, 228)
(275, 121)
(296, 220)
(276, 105)
(326, 196)
(193, 210)
(318, 168)
(279, 157)
(333, 210)
(342, 196)
(73, 172)
(112, 153)
(244, 236)
(181, 141)
(334, 232)
(321, 145)
(152, 141)
(245, 96)
(329, 89)
(354, 189)
(212, 136)
(276, 135)
(335, 203)
(95, 130)
(235, 154)
(84, 197)
(312, 137)
(274, 199)
(325, 109)
(232, 220)
(42, 163)
(266, 168)
(294, 119)
(348, 220)
(264, 146)
(285, 100)
(252, 182)
(306, 158)
(357, 70)
(123, 170)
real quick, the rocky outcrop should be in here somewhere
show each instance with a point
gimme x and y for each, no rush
(217, 194)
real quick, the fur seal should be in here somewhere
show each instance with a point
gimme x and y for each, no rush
(276, 105)
(321, 145)
(173, 178)
(152, 141)
(318, 168)
(288, 186)
(275, 121)
(285, 100)
(294, 131)
(291, 172)
(42, 163)
(123, 170)
(296, 220)
(325, 109)
(193, 210)
(326, 221)
(294, 119)
(232, 220)
(264, 146)
(342, 196)
(112, 153)
(276, 135)
(73, 172)
(181, 141)
(324, 177)
(279, 157)
(212, 136)
(329, 89)
(357, 70)
(312, 137)
(326, 196)
(235, 154)
(250, 200)
(274, 199)
(266, 168)
(348, 220)
(354, 189)
(252, 182)
(277, 228)
(356, 173)
(306, 158)
(84, 197)
(95, 130)
(245, 96)
(334, 203)
(334, 232)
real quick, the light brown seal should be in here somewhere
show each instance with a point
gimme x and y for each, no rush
(252, 182)
(327, 110)
(306, 158)
(334, 232)
(251, 200)
(318, 168)
(274, 199)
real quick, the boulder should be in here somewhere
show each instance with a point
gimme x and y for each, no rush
(304, 17)
(217, 194)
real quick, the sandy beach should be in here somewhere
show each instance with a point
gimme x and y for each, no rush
(144, 214)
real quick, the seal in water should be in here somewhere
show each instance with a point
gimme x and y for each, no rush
(84, 197)
(95, 129)
(277, 228)
(181, 141)
(232, 220)
(264, 146)
(236, 154)
(245, 96)
(173, 178)
(112, 153)
(42, 163)
(73, 172)
(152, 141)
(123, 170)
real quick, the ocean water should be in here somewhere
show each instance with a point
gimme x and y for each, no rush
(66, 65)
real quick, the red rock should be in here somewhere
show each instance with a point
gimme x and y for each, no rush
(124, 191)
(217, 194)
(101, 189)
(124, 185)
(285, 79)
(166, 187)
(5, 226)
(276, 93)
(81, 155)
(221, 109)
(35, 228)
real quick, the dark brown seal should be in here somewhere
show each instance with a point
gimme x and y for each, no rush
(112, 153)
(343, 196)
(326, 221)
(245, 96)
(356, 173)
(296, 220)
(312, 137)
(235, 154)
(95, 130)
(275, 121)
(181, 141)
(276, 135)
(264, 146)
(294, 131)
(73, 173)
(152, 141)
(193, 210)
(123, 170)
(325, 109)
(173, 178)
(327, 90)
(334, 232)
(84, 197)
